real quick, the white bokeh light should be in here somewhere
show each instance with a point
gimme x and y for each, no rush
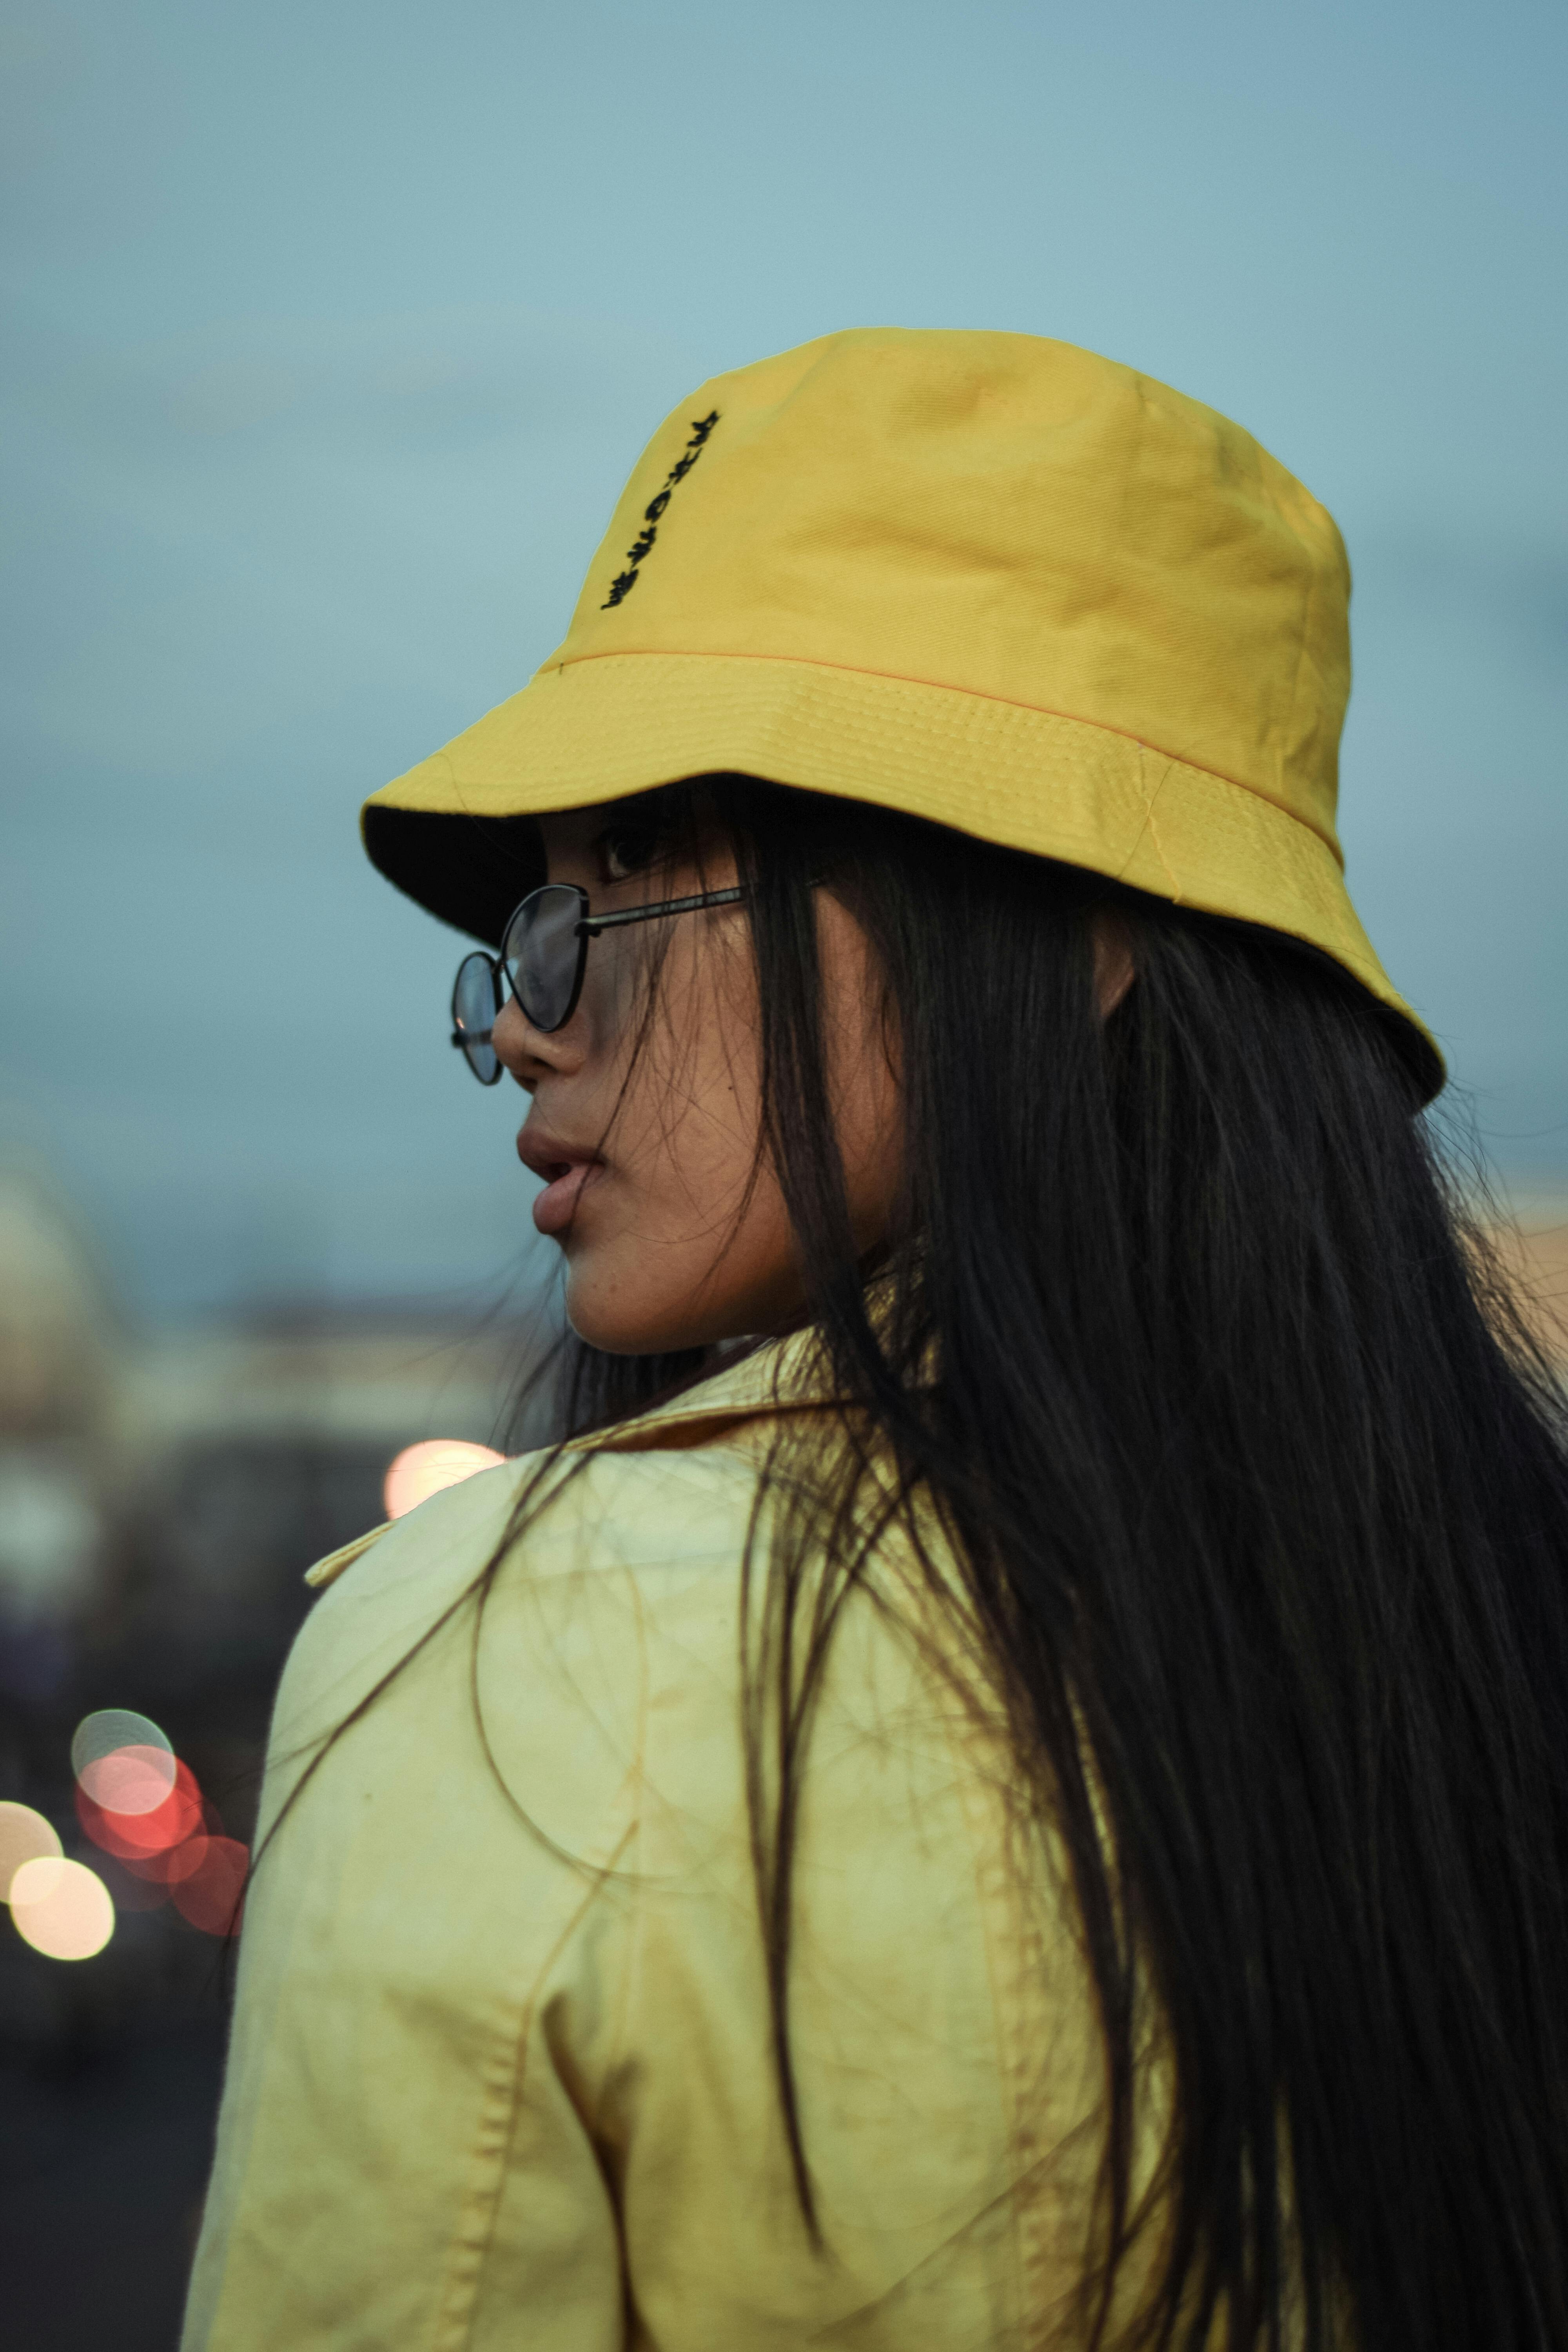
(24, 1836)
(62, 1908)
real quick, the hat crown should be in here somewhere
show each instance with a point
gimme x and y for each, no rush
(1002, 515)
(992, 580)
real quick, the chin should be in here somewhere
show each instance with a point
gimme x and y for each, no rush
(618, 1326)
(630, 1317)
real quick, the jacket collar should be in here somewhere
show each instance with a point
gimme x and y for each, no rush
(789, 1375)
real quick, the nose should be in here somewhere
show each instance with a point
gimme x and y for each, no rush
(531, 1054)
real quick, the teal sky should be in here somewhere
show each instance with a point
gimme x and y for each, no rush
(335, 329)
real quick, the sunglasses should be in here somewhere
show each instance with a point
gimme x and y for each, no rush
(544, 955)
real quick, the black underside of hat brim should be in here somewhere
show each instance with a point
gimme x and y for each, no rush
(471, 871)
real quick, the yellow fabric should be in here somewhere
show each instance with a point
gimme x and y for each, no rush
(989, 578)
(500, 2070)
(326, 1570)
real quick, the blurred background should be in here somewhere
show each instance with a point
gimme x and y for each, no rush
(334, 332)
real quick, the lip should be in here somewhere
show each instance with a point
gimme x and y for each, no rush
(567, 1169)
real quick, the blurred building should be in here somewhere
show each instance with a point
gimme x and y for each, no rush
(161, 1493)
(61, 1360)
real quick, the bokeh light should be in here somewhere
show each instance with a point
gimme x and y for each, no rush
(61, 1909)
(180, 1862)
(133, 1837)
(210, 1897)
(176, 1847)
(123, 1760)
(422, 1470)
(131, 1779)
(24, 1836)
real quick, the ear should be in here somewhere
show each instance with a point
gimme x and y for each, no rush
(1114, 968)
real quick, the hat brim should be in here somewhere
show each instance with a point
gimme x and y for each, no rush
(457, 833)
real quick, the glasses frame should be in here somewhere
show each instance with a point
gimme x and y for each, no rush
(587, 927)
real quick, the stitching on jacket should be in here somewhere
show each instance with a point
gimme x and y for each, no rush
(616, 2038)
(504, 2075)
(971, 1744)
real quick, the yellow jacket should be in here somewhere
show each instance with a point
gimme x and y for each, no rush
(501, 2072)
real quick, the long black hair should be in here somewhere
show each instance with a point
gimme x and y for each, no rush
(1257, 1483)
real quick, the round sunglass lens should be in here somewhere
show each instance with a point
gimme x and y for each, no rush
(541, 953)
(474, 1009)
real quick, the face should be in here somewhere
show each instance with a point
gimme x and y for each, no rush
(646, 1106)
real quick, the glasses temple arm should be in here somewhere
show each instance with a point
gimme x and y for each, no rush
(591, 925)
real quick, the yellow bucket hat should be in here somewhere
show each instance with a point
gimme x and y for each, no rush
(991, 580)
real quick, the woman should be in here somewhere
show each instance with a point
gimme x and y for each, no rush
(1005, 1785)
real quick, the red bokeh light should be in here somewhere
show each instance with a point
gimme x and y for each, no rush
(178, 1846)
(138, 1837)
(135, 1779)
(210, 1897)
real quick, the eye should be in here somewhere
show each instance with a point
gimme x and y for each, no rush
(629, 846)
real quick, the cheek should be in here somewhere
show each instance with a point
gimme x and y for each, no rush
(684, 1239)
(635, 1289)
